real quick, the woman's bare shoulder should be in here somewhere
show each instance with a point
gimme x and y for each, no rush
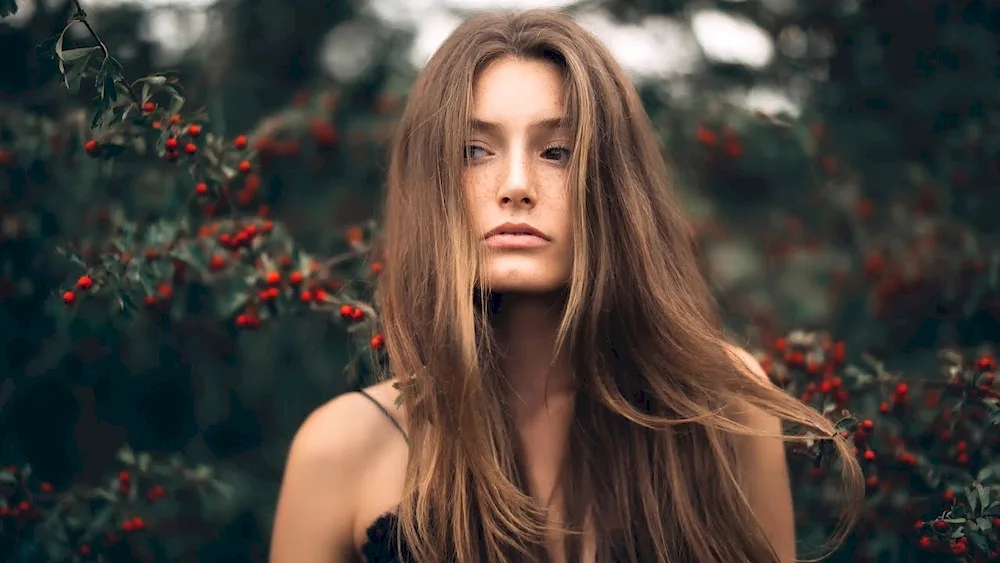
(349, 427)
(325, 486)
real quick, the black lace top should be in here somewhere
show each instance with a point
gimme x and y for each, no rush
(380, 547)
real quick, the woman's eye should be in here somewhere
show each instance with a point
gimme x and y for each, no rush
(557, 153)
(474, 152)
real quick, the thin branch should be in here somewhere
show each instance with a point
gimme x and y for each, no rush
(104, 48)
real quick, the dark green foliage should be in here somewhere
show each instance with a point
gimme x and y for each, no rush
(183, 283)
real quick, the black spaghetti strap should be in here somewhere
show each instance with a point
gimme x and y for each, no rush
(387, 414)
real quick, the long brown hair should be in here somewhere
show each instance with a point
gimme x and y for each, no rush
(653, 462)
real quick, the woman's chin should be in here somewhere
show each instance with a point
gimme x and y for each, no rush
(526, 284)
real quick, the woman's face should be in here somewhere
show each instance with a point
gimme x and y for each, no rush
(516, 175)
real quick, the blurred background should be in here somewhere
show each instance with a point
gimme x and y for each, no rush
(840, 159)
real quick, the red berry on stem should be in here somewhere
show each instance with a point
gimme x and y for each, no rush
(148, 107)
(240, 142)
(171, 144)
(92, 148)
(191, 148)
(194, 130)
(245, 167)
(69, 297)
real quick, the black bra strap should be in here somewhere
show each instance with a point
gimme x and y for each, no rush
(387, 414)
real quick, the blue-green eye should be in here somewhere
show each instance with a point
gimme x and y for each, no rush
(556, 153)
(474, 152)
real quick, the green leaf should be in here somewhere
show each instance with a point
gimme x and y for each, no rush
(980, 542)
(58, 47)
(74, 76)
(76, 54)
(8, 8)
(984, 497)
(126, 456)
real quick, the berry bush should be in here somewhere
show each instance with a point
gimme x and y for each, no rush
(876, 304)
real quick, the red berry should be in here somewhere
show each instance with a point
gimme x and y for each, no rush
(216, 263)
(295, 278)
(175, 119)
(867, 425)
(924, 542)
(191, 148)
(902, 389)
(306, 296)
(872, 481)
(165, 291)
(155, 493)
(319, 296)
(124, 477)
(148, 107)
(171, 144)
(962, 458)
(194, 130)
(84, 549)
(273, 278)
(377, 268)
(949, 496)
(240, 142)
(245, 167)
(959, 548)
(172, 156)
(346, 311)
(357, 314)
(201, 188)
(986, 363)
(69, 297)
(84, 283)
(46, 487)
(883, 407)
(92, 148)
(377, 342)
(869, 455)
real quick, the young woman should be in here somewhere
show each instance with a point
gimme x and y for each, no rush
(567, 391)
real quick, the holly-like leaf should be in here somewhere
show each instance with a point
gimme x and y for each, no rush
(8, 8)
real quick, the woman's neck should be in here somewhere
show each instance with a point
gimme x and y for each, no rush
(526, 328)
